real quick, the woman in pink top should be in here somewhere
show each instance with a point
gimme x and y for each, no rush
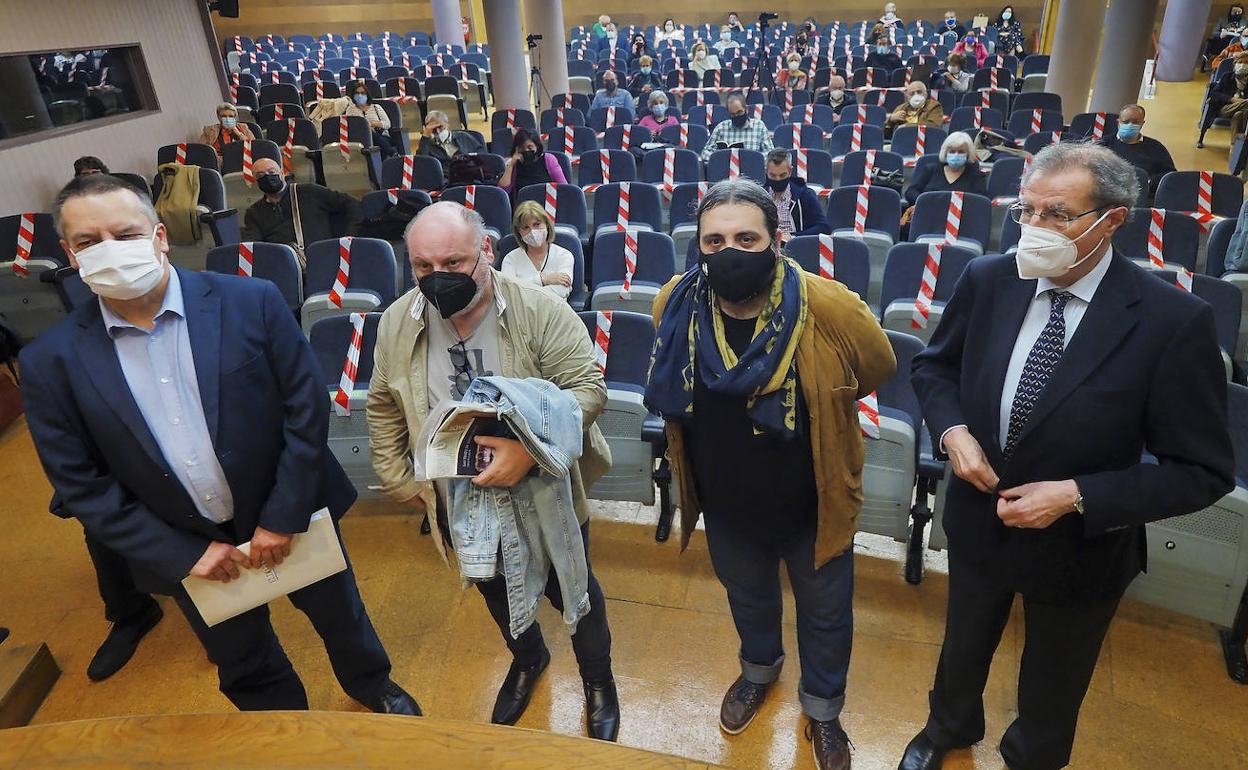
(969, 46)
(529, 164)
(658, 116)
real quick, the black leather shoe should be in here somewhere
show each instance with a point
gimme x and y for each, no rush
(602, 710)
(829, 743)
(922, 754)
(513, 696)
(122, 640)
(395, 700)
(740, 705)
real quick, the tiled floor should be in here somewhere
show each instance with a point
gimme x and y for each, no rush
(1160, 698)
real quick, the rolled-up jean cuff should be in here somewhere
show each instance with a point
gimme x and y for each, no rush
(820, 709)
(757, 674)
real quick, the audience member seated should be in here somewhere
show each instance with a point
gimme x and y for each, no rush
(703, 59)
(670, 32)
(734, 23)
(227, 129)
(639, 49)
(645, 81)
(363, 106)
(918, 109)
(958, 172)
(272, 220)
(599, 30)
(726, 41)
(1228, 95)
(529, 164)
(836, 96)
(89, 164)
(970, 45)
(438, 141)
(951, 24)
(1011, 41)
(610, 94)
(1225, 32)
(609, 45)
(792, 78)
(739, 130)
(954, 76)
(798, 205)
(800, 42)
(1236, 258)
(891, 20)
(537, 260)
(1141, 151)
(657, 116)
(1237, 46)
(884, 56)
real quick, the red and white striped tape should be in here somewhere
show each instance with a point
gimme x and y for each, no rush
(797, 134)
(392, 195)
(569, 142)
(979, 118)
(343, 135)
(245, 258)
(602, 338)
(985, 99)
(344, 272)
(235, 81)
(953, 220)
(1183, 279)
(669, 172)
(927, 287)
(511, 119)
(559, 120)
(25, 242)
(288, 149)
(802, 161)
(1204, 196)
(550, 200)
(350, 367)
(1098, 126)
(684, 135)
(788, 101)
(869, 415)
(861, 208)
(249, 176)
(862, 114)
(279, 112)
(870, 81)
(868, 167)
(1156, 223)
(626, 138)
(855, 138)
(610, 117)
(920, 140)
(470, 197)
(408, 161)
(179, 154)
(238, 43)
(320, 89)
(1036, 114)
(992, 78)
(734, 163)
(827, 257)
(630, 262)
(622, 208)
(402, 82)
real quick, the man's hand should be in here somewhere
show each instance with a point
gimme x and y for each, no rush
(219, 562)
(511, 462)
(268, 548)
(969, 462)
(1037, 505)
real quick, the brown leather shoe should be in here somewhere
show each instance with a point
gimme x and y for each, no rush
(740, 705)
(829, 743)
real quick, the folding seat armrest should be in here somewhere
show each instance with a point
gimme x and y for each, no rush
(223, 225)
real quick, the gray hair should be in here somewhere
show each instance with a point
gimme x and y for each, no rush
(1114, 183)
(223, 106)
(440, 115)
(99, 184)
(959, 139)
(470, 218)
(735, 96)
(655, 96)
(740, 190)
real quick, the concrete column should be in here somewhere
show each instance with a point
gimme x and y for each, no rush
(447, 27)
(1182, 39)
(1123, 53)
(507, 64)
(545, 18)
(1076, 39)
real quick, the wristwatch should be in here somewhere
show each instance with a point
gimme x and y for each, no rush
(1078, 501)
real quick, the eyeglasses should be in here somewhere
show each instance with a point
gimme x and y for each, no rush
(1022, 212)
(463, 370)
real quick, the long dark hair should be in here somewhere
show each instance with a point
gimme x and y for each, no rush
(526, 135)
(1013, 16)
(740, 190)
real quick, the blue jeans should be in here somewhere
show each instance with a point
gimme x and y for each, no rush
(592, 640)
(749, 568)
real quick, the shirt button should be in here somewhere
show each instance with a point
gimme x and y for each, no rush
(207, 498)
(177, 420)
(190, 463)
(164, 380)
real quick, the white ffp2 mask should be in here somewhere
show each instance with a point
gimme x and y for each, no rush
(535, 237)
(1049, 254)
(121, 269)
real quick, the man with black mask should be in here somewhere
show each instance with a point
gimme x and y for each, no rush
(757, 368)
(322, 213)
(797, 204)
(466, 320)
(739, 130)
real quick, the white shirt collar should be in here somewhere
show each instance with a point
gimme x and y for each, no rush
(1084, 288)
(418, 303)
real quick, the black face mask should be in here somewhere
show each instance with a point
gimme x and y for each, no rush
(610, 85)
(449, 292)
(778, 184)
(739, 120)
(738, 275)
(271, 184)
(529, 156)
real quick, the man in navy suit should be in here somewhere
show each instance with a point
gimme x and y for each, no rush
(183, 414)
(1050, 375)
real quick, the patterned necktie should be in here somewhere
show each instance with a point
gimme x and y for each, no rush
(1041, 362)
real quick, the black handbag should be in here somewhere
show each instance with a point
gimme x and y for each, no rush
(895, 180)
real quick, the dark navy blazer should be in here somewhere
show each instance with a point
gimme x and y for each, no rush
(1143, 372)
(264, 402)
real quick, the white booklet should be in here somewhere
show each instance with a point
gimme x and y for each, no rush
(314, 555)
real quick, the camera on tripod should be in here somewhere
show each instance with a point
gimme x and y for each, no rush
(765, 18)
(531, 41)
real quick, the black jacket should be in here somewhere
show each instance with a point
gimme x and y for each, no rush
(805, 209)
(640, 81)
(931, 178)
(1142, 347)
(324, 213)
(466, 142)
(889, 61)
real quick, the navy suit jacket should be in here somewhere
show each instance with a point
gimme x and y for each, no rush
(264, 402)
(1143, 372)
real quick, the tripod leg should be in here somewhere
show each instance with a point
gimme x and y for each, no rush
(1233, 640)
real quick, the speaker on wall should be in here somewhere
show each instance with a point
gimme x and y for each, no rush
(227, 8)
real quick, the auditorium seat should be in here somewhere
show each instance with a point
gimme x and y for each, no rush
(848, 258)
(274, 262)
(331, 340)
(932, 212)
(655, 265)
(372, 279)
(903, 273)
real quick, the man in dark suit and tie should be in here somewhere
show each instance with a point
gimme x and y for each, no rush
(181, 415)
(1050, 375)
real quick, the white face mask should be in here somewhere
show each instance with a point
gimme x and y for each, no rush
(443, 135)
(917, 100)
(699, 56)
(795, 65)
(121, 269)
(836, 94)
(535, 237)
(954, 69)
(1044, 253)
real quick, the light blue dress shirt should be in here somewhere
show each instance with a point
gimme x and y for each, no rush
(160, 369)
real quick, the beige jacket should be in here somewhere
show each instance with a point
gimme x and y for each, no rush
(538, 336)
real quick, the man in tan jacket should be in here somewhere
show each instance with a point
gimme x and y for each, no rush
(466, 320)
(757, 370)
(918, 109)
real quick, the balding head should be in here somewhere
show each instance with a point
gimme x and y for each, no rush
(444, 234)
(266, 166)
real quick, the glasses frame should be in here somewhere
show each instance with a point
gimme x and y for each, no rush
(1015, 212)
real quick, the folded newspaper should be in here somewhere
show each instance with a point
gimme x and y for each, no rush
(451, 451)
(314, 555)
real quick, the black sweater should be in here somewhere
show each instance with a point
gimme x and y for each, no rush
(324, 213)
(931, 178)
